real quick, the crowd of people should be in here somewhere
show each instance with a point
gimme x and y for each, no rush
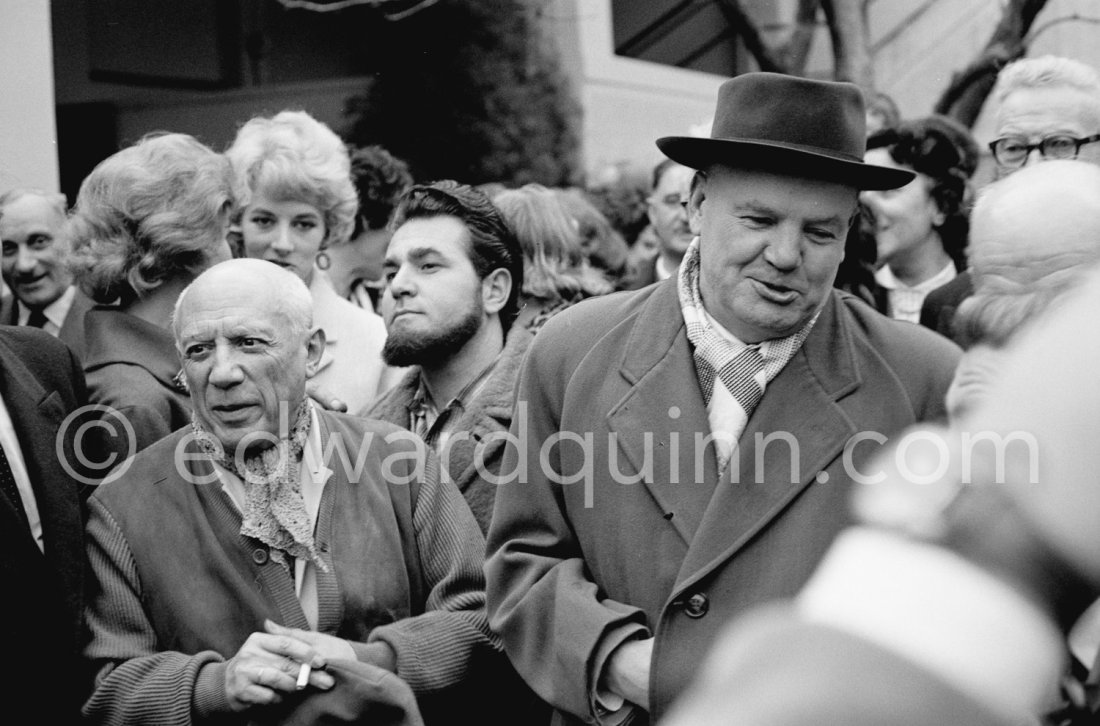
(289, 436)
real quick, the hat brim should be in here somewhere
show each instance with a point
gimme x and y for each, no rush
(701, 153)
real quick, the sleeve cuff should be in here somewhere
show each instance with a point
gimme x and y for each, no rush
(609, 708)
(209, 698)
(378, 653)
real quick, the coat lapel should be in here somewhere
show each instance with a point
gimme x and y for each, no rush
(664, 401)
(800, 413)
(37, 414)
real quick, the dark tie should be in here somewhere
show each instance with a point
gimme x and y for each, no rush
(37, 318)
(11, 490)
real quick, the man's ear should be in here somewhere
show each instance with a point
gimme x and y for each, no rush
(315, 348)
(695, 201)
(495, 289)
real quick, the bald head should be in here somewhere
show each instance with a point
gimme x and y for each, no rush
(281, 292)
(242, 332)
(1036, 226)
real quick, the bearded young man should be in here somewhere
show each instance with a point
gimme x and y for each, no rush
(453, 273)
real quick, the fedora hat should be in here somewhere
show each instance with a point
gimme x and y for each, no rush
(788, 124)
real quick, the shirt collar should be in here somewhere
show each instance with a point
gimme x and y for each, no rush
(885, 276)
(312, 475)
(423, 394)
(55, 312)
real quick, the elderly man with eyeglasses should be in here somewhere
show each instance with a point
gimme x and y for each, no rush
(666, 209)
(1048, 108)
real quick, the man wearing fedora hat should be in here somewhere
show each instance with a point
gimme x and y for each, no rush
(685, 451)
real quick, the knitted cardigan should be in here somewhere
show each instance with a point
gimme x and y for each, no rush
(178, 590)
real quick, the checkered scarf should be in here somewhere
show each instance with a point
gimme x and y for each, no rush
(744, 371)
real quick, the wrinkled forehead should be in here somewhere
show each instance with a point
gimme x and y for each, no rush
(1049, 110)
(215, 306)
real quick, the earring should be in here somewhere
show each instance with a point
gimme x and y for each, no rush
(323, 260)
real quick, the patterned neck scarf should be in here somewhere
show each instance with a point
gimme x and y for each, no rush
(275, 512)
(741, 371)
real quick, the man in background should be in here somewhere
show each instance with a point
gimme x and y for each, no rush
(32, 230)
(1047, 108)
(668, 222)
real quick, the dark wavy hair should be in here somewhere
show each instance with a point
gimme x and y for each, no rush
(943, 150)
(380, 180)
(493, 244)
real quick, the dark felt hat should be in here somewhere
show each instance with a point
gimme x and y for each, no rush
(791, 125)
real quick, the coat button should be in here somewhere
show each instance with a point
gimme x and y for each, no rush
(696, 606)
(259, 556)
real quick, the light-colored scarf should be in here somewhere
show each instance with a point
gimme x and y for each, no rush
(732, 377)
(275, 512)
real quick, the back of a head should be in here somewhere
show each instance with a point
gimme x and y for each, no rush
(551, 244)
(1032, 234)
(601, 243)
(493, 244)
(148, 213)
(380, 179)
(292, 156)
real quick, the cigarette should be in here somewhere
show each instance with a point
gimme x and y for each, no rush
(303, 676)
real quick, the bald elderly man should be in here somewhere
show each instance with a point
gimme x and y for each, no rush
(273, 555)
(1015, 279)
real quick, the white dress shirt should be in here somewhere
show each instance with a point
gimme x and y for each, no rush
(55, 312)
(14, 452)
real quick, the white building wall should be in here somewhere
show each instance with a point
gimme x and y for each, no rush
(28, 153)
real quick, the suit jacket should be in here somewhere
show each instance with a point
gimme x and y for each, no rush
(623, 529)
(41, 611)
(131, 367)
(938, 310)
(72, 330)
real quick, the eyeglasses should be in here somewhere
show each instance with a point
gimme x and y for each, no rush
(1013, 151)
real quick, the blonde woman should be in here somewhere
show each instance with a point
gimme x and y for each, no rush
(297, 201)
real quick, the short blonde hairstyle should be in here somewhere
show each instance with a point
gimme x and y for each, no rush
(294, 157)
(147, 214)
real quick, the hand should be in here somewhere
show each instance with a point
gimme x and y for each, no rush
(267, 665)
(327, 647)
(324, 398)
(627, 671)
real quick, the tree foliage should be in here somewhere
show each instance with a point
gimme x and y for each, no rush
(469, 90)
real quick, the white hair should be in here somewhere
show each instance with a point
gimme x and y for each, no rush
(1048, 71)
